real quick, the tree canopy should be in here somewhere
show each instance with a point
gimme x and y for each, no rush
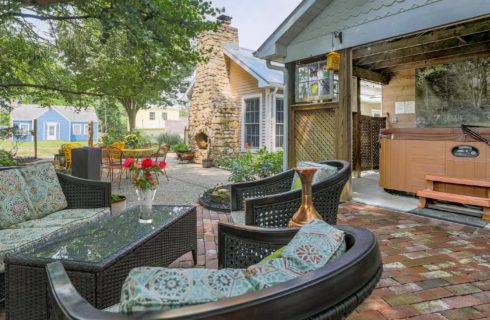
(137, 52)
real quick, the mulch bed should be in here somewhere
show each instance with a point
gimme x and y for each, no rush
(206, 201)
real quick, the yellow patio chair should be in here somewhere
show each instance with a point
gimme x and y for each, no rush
(67, 152)
(118, 144)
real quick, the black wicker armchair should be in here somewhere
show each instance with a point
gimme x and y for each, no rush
(347, 281)
(79, 193)
(271, 203)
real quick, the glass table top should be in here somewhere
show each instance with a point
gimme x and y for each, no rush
(95, 242)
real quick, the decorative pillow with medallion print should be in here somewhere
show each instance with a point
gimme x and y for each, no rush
(15, 206)
(43, 189)
(150, 289)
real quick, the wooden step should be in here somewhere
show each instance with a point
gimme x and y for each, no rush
(451, 197)
(462, 181)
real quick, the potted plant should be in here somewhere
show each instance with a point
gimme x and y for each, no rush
(118, 203)
(183, 152)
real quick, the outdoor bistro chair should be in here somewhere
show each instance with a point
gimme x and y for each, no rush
(332, 291)
(162, 154)
(67, 152)
(111, 161)
(270, 202)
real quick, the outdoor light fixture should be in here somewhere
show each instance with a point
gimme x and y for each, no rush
(333, 57)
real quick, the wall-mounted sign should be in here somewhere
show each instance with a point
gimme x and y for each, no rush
(404, 107)
(463, 151)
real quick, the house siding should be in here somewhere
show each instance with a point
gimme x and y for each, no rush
(243, 84)
(63, 129)
(84, 135)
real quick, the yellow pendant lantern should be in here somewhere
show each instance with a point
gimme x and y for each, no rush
(333, 61)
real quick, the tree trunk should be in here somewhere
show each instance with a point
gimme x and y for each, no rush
(131, 109)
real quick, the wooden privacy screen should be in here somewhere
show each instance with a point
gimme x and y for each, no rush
(313, 133)
(370, 145)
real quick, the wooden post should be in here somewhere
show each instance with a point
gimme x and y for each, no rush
(34, 133)
(291, 115)
(357, 166)
(90, 134)
(344, 115)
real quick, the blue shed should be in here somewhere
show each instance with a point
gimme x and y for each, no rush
(54, 123)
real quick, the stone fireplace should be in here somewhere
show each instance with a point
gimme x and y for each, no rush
(213, 114)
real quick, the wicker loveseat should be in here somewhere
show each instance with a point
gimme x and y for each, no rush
(37, 204)
(271, 203)
(330, 292)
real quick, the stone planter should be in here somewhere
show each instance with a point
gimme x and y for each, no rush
(185, 155)
(207, 163)
(118, 206)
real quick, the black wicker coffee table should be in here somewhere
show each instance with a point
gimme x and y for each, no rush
(99, 257)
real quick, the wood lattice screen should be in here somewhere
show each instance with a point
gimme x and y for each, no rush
(370, 129)
(314, 134)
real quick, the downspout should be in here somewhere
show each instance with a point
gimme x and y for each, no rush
(285, 163)
(273, 118)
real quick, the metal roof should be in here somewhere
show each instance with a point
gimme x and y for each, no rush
(255, 66)
(28, 112)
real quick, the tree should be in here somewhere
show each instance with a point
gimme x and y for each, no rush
(135, 51)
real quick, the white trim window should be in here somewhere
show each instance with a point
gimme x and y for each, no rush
(152, 115)
(85, 129)
(164, 116)
(279, 125)
(24, 129)
(251, 116)
(77, 129)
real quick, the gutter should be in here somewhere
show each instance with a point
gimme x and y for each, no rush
(285, 163)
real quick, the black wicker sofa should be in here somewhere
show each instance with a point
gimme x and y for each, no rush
(271, 203)
(330, 292)
(95, 196)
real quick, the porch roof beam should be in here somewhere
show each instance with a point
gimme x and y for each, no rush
(460, 30)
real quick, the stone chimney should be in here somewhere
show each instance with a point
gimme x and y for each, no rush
(213, 114)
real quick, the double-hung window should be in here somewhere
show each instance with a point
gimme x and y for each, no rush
(251, 123)
(152, 115)
(164, 116)
(279, 123)
(77, 129)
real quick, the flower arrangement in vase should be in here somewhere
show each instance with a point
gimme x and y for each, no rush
(145, 179)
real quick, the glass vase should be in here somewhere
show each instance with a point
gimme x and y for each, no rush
(145, 201)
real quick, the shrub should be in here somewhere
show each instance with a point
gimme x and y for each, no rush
(249, 167)
(169, 138)
(7, 159)
(131, 140)
(181, 147)
(266, 163)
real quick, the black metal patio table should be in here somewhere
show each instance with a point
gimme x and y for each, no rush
(98, 258)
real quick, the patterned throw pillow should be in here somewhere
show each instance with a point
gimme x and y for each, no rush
(324, 171)
(15, 206)
(43, 189)
(149, 289)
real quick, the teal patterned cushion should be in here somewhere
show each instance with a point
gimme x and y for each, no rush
(15, 206)
(43, 189)
(12, 240)
(148, 289)
(324, 171)
(38, 231)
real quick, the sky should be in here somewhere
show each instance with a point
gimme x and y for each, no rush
(256, 20)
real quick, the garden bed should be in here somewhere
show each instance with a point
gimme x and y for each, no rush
(207, 202)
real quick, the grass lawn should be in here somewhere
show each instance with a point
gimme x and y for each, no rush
(45, 149)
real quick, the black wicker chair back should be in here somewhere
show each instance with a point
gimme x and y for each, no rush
(271, 203)
(331, 292)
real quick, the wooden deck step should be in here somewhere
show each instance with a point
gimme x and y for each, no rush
(451, 197)
(462, 181)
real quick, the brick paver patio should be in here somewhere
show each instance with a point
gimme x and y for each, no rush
(433, 269)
